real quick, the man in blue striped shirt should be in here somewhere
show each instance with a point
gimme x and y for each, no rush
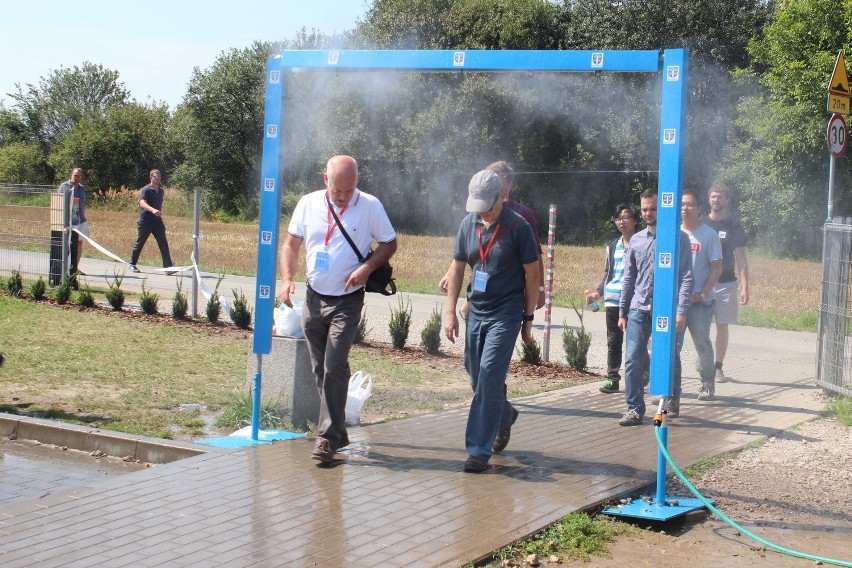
(609, 289)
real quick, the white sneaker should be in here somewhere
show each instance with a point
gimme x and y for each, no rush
(720, 376)
(705, 393)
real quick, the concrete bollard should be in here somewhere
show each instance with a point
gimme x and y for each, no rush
(287, 380)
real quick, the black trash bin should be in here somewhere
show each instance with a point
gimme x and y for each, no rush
(55, 267)
(54, 276)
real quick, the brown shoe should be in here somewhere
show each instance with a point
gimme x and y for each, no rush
(322, 451)
(475, 465)
(502, 439)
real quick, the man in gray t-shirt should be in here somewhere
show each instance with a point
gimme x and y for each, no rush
(706, 268)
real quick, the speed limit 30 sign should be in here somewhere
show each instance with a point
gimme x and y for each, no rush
(836, 135)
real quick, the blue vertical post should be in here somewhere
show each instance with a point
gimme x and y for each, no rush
(267, 236)
(670, 184)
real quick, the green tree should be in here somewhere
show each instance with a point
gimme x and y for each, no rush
(405, 24)
(716, 34)
(780, 165)
(62, 98)
(12, 127)
(21, 162)
(117, 148)
(559, 126)
(218, 129)
(503, 24)
(460, 24)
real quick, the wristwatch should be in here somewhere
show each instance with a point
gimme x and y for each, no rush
(541, 288)
(529, 317)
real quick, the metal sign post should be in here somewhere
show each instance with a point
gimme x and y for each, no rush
(548, 282)
(836, 135)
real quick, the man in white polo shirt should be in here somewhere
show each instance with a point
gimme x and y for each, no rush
(335, 279)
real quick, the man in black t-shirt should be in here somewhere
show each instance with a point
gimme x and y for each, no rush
(729, 293)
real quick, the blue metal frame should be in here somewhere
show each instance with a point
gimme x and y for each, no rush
(671, 63)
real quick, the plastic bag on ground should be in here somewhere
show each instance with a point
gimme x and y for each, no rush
(360, 389)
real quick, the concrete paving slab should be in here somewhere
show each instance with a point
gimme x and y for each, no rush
(398, 495)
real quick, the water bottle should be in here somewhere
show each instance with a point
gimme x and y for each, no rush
(596, 306)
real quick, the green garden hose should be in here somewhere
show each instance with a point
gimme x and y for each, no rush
(722, 516)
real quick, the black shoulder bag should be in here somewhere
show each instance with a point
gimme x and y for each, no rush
(380, 278)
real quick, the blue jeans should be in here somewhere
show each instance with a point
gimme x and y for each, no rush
(636, 360)
(698, 320)
(487, 354)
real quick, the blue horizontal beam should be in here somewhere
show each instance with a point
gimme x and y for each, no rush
(447, 60)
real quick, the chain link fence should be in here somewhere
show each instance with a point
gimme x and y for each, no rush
(834, 354)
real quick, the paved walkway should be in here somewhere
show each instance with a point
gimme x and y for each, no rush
(398, 496)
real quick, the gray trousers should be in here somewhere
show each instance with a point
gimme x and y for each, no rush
(330, 323)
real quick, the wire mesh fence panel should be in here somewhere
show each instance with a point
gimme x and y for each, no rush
(25, 230)
(834, 354)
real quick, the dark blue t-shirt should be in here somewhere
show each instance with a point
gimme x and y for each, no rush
(514, 247)
(154, 198)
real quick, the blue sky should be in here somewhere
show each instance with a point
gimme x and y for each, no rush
(154, 45)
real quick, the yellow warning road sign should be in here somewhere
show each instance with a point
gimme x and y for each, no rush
(838, 104)
(839, 84)
(838, 87)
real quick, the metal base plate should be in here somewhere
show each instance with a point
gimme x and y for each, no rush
(242, 438)
(646, 508)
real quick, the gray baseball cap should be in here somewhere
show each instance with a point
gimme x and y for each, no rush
(484, 189)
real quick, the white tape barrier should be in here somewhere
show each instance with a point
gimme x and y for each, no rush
(194, 267)
(99, 247)
(204, 292)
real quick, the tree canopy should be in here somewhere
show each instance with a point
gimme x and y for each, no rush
(756, 115)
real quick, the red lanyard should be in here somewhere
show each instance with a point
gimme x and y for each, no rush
(484, 253)
(330, 226)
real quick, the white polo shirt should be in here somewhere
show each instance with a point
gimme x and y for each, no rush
(364, 218)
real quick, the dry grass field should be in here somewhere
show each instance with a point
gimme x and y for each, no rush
(781, 290)
(786, 288)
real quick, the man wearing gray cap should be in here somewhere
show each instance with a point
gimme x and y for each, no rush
(502, 252)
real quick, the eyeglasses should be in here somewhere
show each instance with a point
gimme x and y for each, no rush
(625, 219)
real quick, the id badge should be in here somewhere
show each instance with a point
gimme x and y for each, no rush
(480, 279)
(321, 261)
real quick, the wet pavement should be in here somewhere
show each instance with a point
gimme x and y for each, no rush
(398, 496)
(31, 470)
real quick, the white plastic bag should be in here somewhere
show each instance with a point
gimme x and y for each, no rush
(288, 321)
(360, 389)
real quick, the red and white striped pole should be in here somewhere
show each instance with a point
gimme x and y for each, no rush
(548, 282)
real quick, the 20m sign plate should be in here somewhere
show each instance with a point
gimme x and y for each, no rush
(836, 135)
